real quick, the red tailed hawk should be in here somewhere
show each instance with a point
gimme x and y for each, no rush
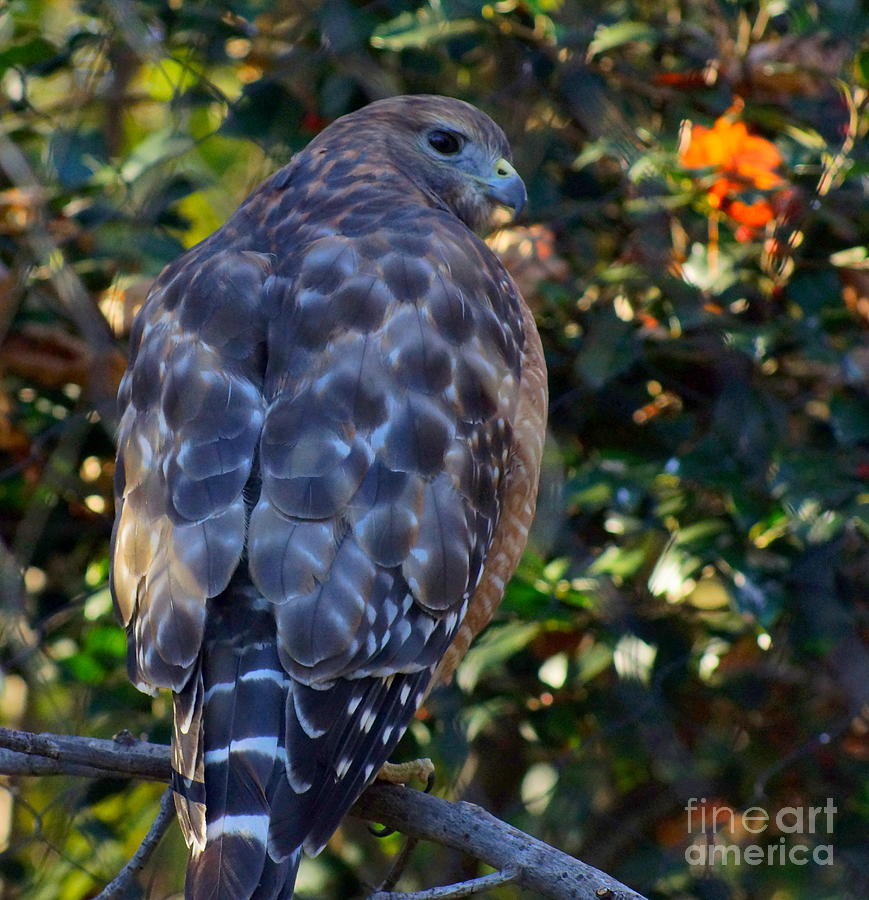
(332, 426)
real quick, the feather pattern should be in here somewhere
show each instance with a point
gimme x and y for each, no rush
(317, 443)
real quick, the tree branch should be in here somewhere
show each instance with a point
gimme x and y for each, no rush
(452, 891)
(538, 867)
(121, 885)
(62, 754)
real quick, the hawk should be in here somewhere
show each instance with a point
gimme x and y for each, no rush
(332, 424)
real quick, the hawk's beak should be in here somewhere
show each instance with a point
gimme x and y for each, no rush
(505, 186)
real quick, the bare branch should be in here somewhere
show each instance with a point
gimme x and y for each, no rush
(122, 884)
(538, 867)
(13, 762)
(122, 756)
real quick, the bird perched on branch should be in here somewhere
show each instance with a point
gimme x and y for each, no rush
(332, 425)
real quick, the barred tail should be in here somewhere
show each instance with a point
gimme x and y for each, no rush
(266, 766)
(244, 692)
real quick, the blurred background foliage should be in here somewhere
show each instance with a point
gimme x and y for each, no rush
(691, 618)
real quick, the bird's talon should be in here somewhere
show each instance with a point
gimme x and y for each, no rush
(402, 773)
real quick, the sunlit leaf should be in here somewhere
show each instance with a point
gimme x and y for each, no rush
(608, 37)
(157, 148)
(419, 30)
(497, 645)
(621, 561)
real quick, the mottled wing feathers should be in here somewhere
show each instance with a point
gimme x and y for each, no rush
(517, 500)
(192, 415)
(381, 459)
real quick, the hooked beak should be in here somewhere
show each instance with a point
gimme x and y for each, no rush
(506, 187)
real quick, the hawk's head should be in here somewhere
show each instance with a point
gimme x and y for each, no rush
(446, 147)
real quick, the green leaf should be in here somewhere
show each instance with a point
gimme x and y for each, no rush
(700, 532)
(498, 644)
(419, 30)
(541, 7)
(28, 53)
(593, 661)
(157, 147)
(108, 642)
(861, 67)
(608, 37)
(83, 667)
(714, 273)
(621, 561)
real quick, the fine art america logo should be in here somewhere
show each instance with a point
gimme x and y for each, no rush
(722, 836)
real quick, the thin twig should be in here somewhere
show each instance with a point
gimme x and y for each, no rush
(120, 886)
(398, 865)
(452, 891)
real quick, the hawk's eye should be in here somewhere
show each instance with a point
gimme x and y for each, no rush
(445, 142)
